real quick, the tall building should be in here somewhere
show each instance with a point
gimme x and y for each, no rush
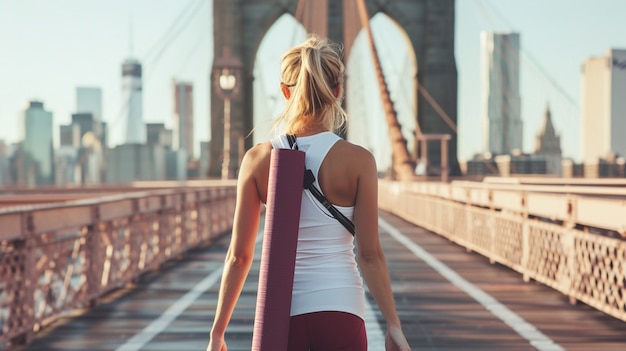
(85, 122)
(604, 106)
(502, 124)
(204, 161)
(183, 117)
(548, 145)
(157, 134)
(5, 171)
(37, 149)
(89, 100)
(132, 97)
(69, 135)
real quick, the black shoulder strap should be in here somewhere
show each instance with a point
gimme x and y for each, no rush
(309, 184)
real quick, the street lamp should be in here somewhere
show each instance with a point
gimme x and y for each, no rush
(226, 72)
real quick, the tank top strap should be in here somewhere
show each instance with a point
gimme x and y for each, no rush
(316, 148)
(280, 142)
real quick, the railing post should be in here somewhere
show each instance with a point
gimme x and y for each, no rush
(94, 257)
(22, 309)
(469, 219)
(569, 246)
(492, 224)
(525, 240)
(162, 229)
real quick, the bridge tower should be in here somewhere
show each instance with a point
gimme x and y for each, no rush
(239, 26)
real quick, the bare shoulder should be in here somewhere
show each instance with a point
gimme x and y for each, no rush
(255, 168)
(355, 155)
(258, 153)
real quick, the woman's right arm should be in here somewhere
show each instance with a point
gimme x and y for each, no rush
(241, 250)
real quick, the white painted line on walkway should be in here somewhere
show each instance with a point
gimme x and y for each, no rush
(526, 330)
(166, 318)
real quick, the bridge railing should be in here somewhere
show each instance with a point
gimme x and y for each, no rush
(567, 239)
(55, 258)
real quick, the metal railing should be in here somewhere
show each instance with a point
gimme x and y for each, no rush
(57, 257)
(567, 239)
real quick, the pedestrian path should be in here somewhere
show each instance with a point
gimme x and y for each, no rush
(447, 299)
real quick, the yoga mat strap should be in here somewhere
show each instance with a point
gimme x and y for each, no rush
(309, 184)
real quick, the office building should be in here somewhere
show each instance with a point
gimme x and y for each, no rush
(603, 106)
(5, 171)
(521, 164)
(69, 135)
(67, 169)
(176, 164)
(89, 100)
(132, 98)
(132, 162)
(204, 161)
(85, 123)
(183, 118)
(502, 124)
(37, 149)
(104, 137)
(157, 134)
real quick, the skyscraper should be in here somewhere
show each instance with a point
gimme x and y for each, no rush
(604, 106)
(132, 98)
(89, 100)
(502, 124)
(183, 117)
(37, 162)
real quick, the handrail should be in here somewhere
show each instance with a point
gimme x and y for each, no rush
(574, 244)
(58, 257)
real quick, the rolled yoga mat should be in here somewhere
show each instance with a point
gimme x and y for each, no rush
(278, 258)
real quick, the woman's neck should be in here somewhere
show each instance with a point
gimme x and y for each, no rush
(306, 129)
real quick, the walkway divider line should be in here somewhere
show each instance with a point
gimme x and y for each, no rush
(166, 318)
(526, 330)
(155, 327)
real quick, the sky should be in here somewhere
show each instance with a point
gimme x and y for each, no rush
(48, 48)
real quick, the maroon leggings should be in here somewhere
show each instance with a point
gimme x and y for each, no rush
(327, 331)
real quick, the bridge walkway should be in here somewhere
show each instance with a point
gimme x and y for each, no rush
(447, 298)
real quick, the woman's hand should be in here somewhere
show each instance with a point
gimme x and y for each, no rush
(217, 344)
(395, 340)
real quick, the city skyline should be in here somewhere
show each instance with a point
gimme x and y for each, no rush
(78, 54)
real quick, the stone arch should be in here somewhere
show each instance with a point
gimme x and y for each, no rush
(240, 25)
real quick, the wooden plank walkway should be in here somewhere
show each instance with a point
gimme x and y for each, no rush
(438, 295)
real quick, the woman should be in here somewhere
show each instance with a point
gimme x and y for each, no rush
(328, 300)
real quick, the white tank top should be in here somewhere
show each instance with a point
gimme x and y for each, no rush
(326, 275)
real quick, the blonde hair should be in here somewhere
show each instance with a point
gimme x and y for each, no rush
(313, 71)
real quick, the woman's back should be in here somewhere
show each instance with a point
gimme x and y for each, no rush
(326, 275)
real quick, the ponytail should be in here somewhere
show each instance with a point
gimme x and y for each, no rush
(313, 71)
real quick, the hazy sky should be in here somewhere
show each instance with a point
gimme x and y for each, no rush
(48, 48)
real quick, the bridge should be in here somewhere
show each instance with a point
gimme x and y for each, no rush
(474, 265)
(501, 263)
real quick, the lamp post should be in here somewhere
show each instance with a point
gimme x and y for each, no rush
(226, 70)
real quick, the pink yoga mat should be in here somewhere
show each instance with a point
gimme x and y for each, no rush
(282, 219)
